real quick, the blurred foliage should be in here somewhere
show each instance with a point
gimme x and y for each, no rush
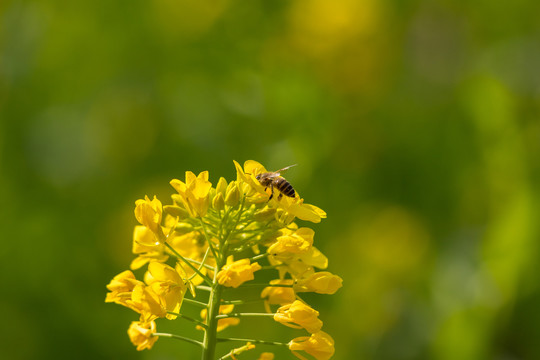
(415, 125)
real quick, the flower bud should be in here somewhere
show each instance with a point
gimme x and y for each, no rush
(218, 202)
(233, 195)
(149, 212)
(141, 334)
(221, 186)
(176, 211)
(183, 227)
(264, 214)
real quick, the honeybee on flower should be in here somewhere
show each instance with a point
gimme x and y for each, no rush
(208, 243)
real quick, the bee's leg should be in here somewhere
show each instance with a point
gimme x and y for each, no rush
(271, 195)
(280, 196)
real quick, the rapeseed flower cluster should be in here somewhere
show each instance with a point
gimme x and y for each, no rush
(210, 239)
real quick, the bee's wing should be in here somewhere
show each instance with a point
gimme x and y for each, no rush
(285, 169)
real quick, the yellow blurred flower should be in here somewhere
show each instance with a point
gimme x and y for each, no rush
(314, 257)
(266, 356)
(149, 213)
(279, 295)
(320, 345)
(322, 282)
(167, 283)
(121, 288)
(194, 192)
(141, 334)
(301, 314)
(236, 273)
(147, 247)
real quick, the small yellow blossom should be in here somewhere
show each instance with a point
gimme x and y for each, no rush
(146, 302)
(194, 192)
(322, 282)
(266, 356)
(320, 345)
(141, 334)
(296, 267)
(147, 247)
(302, 211)
(279, 295)
(167, 283)
(236, 273)
(301, 314)
(149, 213)
(292, 243)
(314, 257)
(121, 288)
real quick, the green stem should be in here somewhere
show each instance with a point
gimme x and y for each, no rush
(201, 265)
(200, 323)
(244, 315)
(270, 285)
(210, 335)
(209, 241)
(179, 338)
(253, 341)
(205, 278)
(195, 302)
(240, 302)
(257, 257)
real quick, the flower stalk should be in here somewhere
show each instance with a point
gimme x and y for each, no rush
(211, 239)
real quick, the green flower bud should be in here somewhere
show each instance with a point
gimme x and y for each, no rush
(218, 203)
(183, 228)
(233, 194)
(264, 214)
(176, 211)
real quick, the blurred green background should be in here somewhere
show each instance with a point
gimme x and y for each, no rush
(415, 125)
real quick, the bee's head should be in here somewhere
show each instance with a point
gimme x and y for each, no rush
(258, 177)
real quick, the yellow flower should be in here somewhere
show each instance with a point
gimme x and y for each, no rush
(291, 243)
(189, 245)
(322, 282)
(147, 246)
(146, 302)
(279, 295)
(266, 356)
(121, 287)
(296, 267)
(301, 314)
(236, 273)
(194, 192)
(314, 257)
(141, 334)
(297, 208)
(222, 323)
(149, 213)
(320, 345)
(166, 283)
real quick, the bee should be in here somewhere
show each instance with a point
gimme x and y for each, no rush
(274, 179)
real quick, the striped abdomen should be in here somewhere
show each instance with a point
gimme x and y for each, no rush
(284, 187)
